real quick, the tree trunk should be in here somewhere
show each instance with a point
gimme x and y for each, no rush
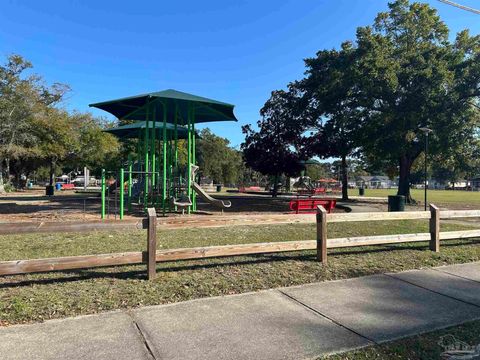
(344, 178)
(7, 169)
(275, 186)
(52, 172)
(404, 178)
(2, 186)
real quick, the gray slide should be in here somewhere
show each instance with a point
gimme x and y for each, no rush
(209, 199)
(216, 202)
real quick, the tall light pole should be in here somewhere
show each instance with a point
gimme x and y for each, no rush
(426, 131)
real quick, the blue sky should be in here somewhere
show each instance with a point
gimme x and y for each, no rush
(233, 51)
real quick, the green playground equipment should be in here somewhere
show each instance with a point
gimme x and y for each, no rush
(154, 175)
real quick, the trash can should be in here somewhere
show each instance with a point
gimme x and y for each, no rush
(396, 203)
(30, 185)
(49, 190)
(219, 188)
(58, 186)
(361, 191)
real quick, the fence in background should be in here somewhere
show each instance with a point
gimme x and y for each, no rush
(151, 256)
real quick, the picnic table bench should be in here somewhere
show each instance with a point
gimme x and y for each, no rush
(310, 205)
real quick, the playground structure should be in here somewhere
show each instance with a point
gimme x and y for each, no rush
(154, 176)
(307, 187)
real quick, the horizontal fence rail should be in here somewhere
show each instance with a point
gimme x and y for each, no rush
(213, 221)
(69, 226)
(152, 256)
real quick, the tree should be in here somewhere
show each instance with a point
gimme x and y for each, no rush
(318, 171)
(217, 159)
(414, 76)
(274, 148)
(57, 138)
(91, 146)
(332, 112)
(22, 97)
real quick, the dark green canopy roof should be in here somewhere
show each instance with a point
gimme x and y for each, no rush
(133, 130)
(310, 162)
(135, 107)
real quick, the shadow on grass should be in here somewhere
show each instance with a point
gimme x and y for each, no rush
(87, 274)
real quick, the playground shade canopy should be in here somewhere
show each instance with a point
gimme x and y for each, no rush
(310, 162)
(133, 130)
(175, 103)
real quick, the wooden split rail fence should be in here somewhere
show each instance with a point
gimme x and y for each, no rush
(151, 256)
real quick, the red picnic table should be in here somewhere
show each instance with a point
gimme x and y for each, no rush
(310, 205)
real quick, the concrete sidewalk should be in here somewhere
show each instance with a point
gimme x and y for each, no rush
(288, 323)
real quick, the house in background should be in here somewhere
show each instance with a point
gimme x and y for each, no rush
(445, 184)
(375, 182)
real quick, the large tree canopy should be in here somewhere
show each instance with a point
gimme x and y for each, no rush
(274, 148)
(217, 160)
(330, 109)
(36, 131)
(413, 76)
(373, 95)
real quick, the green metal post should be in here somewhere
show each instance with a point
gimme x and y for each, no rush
(103, 193)
(176, 151)
(122, 191)
(145, 145)
(194, 195)
(139, 161)
(189, 157)
(154, 130)
(130, 168)
(176, 141)
(164, 153)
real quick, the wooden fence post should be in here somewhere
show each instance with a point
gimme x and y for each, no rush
(151, 244)
(434, 228)
(322, 234)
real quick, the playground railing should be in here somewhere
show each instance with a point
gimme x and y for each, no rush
(151, 256)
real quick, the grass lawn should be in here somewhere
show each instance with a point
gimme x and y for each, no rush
(440, 196)
(36, 297)
(425, 346)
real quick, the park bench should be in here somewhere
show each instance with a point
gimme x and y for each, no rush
(310, 205)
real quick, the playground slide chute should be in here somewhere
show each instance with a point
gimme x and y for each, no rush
(198, 189)
(208, 198)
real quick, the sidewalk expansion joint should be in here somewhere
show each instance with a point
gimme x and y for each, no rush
(433, 291)
(298, 302)
(459, 276)
(143, 337)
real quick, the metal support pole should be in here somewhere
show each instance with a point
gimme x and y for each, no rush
(146, 187)
(189, 157)
(164, 153)
(426, 154)
(176, 152)
(122, 191)
(153, 147)
(194, 194)
(130, 181)
(103, 194)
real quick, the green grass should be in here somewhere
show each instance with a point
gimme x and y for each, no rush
(36, 297)
(439, 196)
(424, 346)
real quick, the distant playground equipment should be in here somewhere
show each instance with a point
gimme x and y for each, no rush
(153, 176)
(307, 187)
